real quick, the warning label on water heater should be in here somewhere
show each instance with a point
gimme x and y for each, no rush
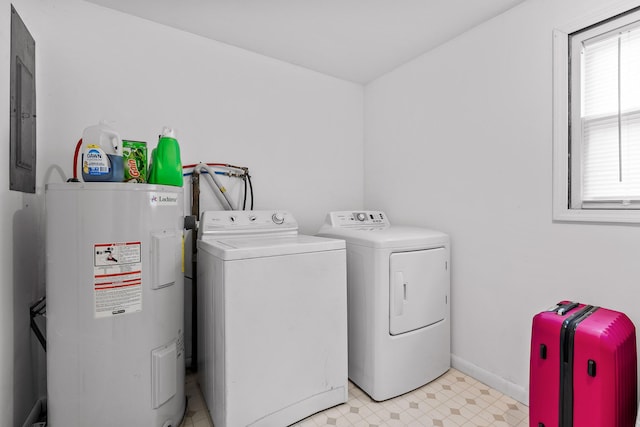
(117, 278)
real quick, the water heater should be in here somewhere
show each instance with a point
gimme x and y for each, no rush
(115, 304)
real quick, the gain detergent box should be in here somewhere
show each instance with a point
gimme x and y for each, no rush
(134, 156)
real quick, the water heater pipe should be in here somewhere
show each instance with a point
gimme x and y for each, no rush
(216, 185)
(75, 159)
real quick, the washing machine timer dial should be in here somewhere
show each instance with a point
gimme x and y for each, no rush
(277, 218)
(361, 216)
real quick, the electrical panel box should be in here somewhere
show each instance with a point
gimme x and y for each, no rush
(22, 167)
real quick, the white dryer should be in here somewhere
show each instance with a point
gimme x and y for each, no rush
(398, 302)
(272, 317)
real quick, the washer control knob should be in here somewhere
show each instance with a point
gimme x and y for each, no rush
(252, 218)
(232, 218)
(360, 216)
(277, 218)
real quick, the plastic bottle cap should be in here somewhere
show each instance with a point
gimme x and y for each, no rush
(169, 132)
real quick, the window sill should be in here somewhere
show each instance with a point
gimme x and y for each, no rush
(617, 216)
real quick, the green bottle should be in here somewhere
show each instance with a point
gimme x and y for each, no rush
(166, 167)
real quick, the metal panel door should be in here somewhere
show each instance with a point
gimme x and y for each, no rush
(417, 289)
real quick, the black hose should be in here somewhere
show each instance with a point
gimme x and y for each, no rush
(38, 309)
(244, 201)
(250, 189)
(195, 211)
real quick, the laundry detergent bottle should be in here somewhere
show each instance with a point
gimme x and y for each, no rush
(166, 166)
(102, 154)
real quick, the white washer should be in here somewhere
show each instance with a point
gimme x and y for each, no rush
(272, 315)
(398, 296)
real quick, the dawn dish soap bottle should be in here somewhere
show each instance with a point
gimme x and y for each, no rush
(102, 154)
(166, 167)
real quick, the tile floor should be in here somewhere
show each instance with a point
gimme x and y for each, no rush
(453, 400)
(197, 414)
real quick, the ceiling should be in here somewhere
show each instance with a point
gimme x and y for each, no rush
(355, 40)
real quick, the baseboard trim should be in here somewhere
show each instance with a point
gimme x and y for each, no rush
(512, 390)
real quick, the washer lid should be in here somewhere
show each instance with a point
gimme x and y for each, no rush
(387, 237)
(234, 248)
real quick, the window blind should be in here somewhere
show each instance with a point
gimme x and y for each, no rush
(610, 117)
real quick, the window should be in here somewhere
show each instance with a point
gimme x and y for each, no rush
(597, 121)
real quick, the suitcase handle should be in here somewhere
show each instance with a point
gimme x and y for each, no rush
(561, 309)
(543, 351)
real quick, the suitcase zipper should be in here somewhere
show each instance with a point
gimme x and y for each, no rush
(567, 335)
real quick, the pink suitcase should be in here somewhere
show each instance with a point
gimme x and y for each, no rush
(583, 368)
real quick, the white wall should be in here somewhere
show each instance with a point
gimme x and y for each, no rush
(21, 270)
(228, 105)
(459, 140)
(11, 203)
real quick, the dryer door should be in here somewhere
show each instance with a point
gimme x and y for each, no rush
(418, 287)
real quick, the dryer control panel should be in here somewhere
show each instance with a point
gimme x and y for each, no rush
(352, 219)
